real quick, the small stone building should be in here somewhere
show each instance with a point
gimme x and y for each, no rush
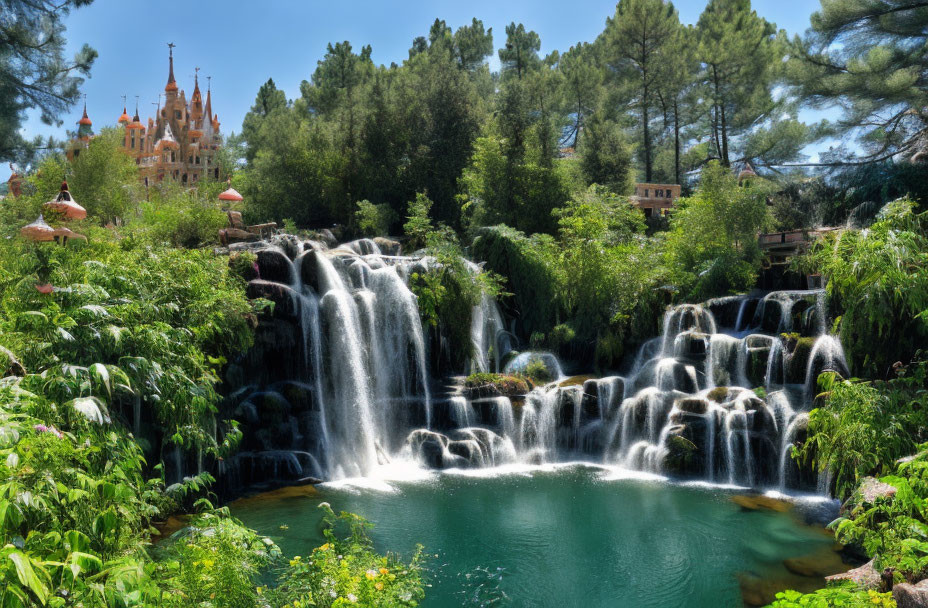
(655, 199)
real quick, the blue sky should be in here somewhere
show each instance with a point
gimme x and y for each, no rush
(243, 43)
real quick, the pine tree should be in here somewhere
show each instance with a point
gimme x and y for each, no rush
(635, 38)
(520, 55)
(33, 70)
(868, 57)
(740, 55)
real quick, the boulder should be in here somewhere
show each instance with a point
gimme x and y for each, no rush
(693, 405)
(388, 246)
(286, 301)
(325, 235)
(682, 457)
(911, 596)
(274, 266)
(864, 576)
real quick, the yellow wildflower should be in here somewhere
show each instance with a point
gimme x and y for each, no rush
(384, 571)
(371, 574)
(378, 586)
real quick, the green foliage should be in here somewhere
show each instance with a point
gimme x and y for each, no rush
(449, 290)
(36, 73)
(347, 571)
(862, 428)
(605, 156)
(104, 179)
(537, 371)
(863, 57)
(846, 595)
(712, 243)
(181, 218)
(213, 561)
(505, 384)
(374, 220)
(878, 287)
(528, 265)
(418, 226)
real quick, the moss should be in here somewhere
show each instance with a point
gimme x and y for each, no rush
(718, 394)
(799, 349)
(538, 372)
(485, 384)
(681, 455)
(243, 264)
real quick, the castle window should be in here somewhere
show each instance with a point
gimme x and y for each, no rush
(198, 160)
(177, 114)
(217, 173)
(659, 193)
(646, 191)
(669, 194)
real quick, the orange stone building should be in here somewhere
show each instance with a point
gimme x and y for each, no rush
(179, 144)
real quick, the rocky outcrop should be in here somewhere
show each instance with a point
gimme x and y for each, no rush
(911, 596)
(864, 576)
(388, 246)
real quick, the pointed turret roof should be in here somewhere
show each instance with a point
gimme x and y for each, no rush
(172, 84)
(124, 118)
(85, 120)
(136, 123)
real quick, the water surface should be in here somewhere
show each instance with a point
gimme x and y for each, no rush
(561, 537)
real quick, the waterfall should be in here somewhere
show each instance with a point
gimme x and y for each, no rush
(343, 386)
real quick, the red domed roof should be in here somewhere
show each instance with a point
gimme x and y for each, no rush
(85, 120)
(124, 118)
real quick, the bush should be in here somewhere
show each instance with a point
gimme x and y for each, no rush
(374, 220)
(877, 287)
(215, 561)
(504, 384)
(182, 219)
(347, 571)
(846, 595)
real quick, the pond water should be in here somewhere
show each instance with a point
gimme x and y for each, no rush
(560, 536)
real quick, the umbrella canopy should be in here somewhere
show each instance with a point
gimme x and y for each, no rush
(231, 195)
(69, 209)
(38, 231)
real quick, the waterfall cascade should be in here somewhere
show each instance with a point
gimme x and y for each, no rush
(339, 384)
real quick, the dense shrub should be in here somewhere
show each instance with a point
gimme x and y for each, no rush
(347, 571)
(878, 287)
(374, 220)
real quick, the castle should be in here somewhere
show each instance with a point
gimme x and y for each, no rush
(179, 144)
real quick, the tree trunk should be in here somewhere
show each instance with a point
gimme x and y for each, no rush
(676, 140)
(647, 132)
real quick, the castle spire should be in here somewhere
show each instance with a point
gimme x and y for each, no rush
(209, 99)
(172, 84)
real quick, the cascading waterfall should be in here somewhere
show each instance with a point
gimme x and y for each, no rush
(720, 395)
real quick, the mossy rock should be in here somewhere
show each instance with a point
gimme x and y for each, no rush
(800, 349)
(693, 405)
(719, 394)
(494, 385)
(575, 381)
(682, 455)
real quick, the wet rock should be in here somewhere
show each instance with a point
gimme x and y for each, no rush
(325, 235)
(719, 394)
(683, 456)
(693, 405)
(911, 596)
(756, 365)
(388, 246)
(799, 350)
(274, 266)
(286, 301)
(691, 345)
(756, 502)
(864, 576)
